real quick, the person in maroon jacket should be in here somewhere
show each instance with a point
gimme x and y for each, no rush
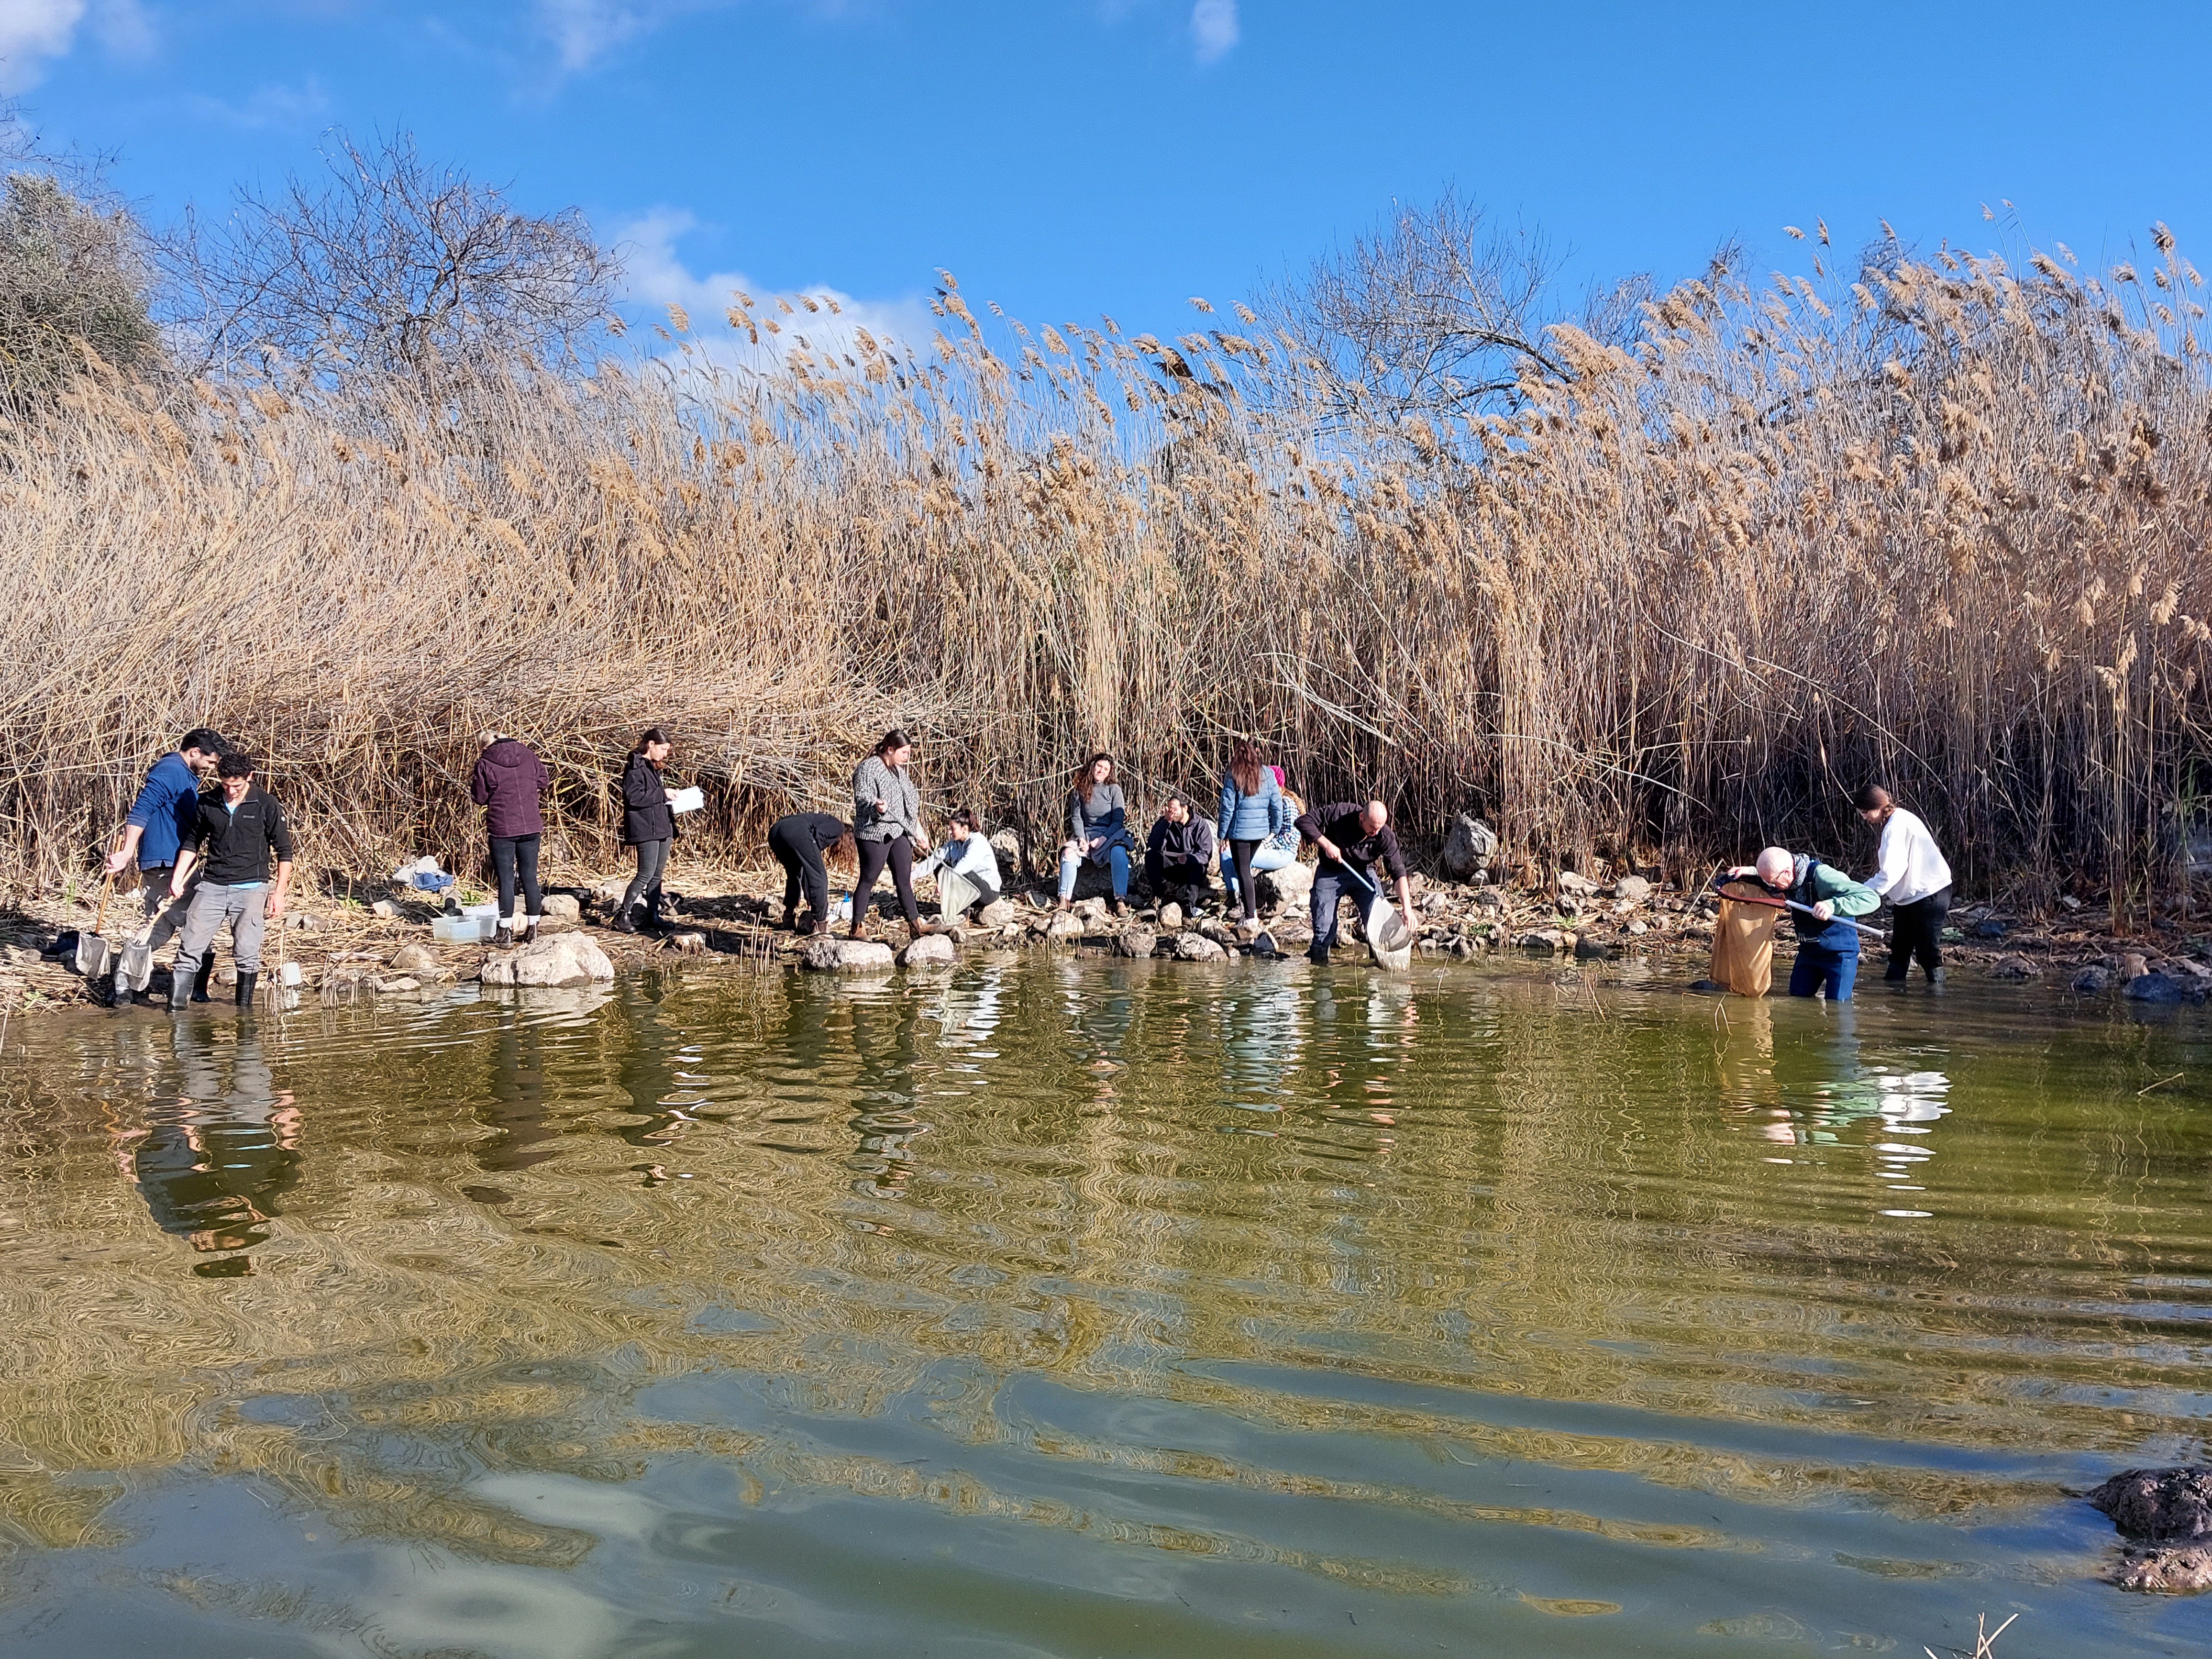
(510, 783)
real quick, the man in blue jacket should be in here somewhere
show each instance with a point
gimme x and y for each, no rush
(167, 805)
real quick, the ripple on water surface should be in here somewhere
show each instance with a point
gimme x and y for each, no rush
(1078, 1307)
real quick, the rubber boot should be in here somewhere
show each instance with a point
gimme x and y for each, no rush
(1318, 956)
(180, 991)
(502, 938)
(201, 978)
(1935, 976)
(529, 933)
(245, 983)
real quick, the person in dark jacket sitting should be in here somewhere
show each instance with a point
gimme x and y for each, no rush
(1179, 856)
(649, 825)
(509, 783)
(798, 840)
(1353, 839)
(237, 830)
(1097, 831)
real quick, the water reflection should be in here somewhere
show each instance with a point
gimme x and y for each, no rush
(215, 1161)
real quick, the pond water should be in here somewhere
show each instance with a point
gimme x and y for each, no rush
(1083, 1309)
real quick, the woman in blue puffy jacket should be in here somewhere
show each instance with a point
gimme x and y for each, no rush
(1251, 810)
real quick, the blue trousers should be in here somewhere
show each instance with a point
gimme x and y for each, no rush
(1822, 968)
(1117, 859)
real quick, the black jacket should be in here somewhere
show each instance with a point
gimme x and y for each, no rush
(818, 829)
(236, 846)
(646, 813)
(1340, 822)
(1185, 848)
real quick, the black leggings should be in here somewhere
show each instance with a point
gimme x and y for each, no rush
(1917, 930)
(1247, 884)
(898, 852)
(803, 870)
(514, 858)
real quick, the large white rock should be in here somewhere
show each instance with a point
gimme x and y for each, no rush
(1170, 917)
(930, 950)
(828, 953)
(566, 959)
(1196, 947)
(1291, 884)
(562, 906)
(417, 959)
(999, 913)
(1064, 925)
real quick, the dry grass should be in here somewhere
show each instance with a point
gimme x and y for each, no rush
(1946, 527)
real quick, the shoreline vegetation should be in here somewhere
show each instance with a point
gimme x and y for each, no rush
(1648, 601)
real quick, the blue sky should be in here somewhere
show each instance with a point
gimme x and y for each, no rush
(1071, 157)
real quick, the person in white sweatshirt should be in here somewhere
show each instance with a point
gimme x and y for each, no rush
(1916, 881)
(966, 868)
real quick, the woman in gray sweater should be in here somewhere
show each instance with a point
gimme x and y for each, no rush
(1097, 831)
(887, 826)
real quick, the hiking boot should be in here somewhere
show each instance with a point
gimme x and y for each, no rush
(623, 923)
(201, 980)
(180, 991)
(246, 981)
(529, 933)
(789, 924)
(502, 937)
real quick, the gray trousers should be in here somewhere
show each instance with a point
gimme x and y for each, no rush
(211, 906)
(652, 862)
(168, 916)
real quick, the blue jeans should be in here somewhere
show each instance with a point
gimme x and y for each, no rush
(1822, 968)
(1117, 856)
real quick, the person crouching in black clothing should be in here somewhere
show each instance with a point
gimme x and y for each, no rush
(799, 840)
(1179, 857)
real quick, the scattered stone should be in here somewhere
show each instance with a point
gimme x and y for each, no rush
(2133, 965)
(1991, 927)
(931, 952)
(1196, 947)
(1463, 948)
(1589, 950)
(1639, 928)
(1007, 846)
(685, 945)
(1580, 886)
(999, 913)
(2015, 967)
(417, 959)
(569, 959)
(2153, 987)
(1170, 917)
(1490, 899)
(393, 988)
(1065, 924)
(1135, 943)
(561, 907)
(305, 921)
(2093, 979)
(1543, 939)
(1468, 844)
(384, 910)
(834, 953)
(1634, 889)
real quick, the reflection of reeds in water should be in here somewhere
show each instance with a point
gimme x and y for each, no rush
(1943, 526)
(1538, 1230)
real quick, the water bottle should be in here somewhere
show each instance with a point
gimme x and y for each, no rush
(845, 908)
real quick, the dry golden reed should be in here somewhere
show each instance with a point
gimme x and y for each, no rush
(1943, 527)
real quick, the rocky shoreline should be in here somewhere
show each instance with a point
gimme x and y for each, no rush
(347, 947)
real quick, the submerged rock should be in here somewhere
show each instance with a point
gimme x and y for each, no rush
(2166, 1517)
(1196, 947)
(2093, 979)
(1065, 925)
(2015, 967)
(2153, 987)
(569, 959)
(1135, 943)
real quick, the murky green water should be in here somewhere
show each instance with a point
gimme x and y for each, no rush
(1082, 1309)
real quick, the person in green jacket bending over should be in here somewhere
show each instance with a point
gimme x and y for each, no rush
(1827, 944)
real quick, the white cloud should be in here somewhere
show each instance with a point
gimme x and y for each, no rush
(1214, 29)
(266, 106)
(657, 278)
(33, 31)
